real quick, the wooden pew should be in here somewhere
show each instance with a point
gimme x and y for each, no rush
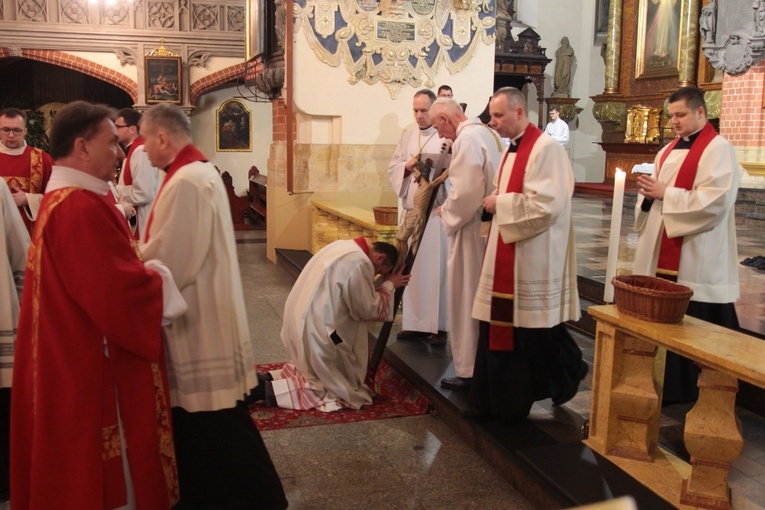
(626, 403)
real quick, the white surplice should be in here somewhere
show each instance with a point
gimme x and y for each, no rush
(475, 156)
(15, 240)
(325, 330)
(146, 181)
(558, 129)
(210, 353)
(422, 311)
(704, 215)
(539, 221)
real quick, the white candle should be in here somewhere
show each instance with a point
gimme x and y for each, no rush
(616, 228)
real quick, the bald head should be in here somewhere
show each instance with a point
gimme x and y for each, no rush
(446, 115)
(508, 112)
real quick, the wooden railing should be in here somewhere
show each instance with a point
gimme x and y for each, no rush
(626, 403)
(333, 221)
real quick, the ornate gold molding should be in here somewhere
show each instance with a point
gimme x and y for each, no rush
(754, 168)
(613, 112)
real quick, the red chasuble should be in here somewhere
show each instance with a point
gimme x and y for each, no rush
(670, 249)
(28, 172)
(86, 294)
(501, 325)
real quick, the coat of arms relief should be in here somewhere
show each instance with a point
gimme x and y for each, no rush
(733, 34)
(396, 42)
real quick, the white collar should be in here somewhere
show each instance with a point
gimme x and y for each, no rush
(688, 138)
(13, 152)
(65, 177)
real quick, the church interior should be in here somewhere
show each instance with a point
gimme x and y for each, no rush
(300, 114)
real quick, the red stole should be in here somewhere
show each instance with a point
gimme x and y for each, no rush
(362, 242)
(186, 156)
(501, 325)
(669, 250)
(127, 174)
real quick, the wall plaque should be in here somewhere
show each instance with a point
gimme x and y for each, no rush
(395, 31)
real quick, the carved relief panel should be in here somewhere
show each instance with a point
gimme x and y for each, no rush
(394, 42)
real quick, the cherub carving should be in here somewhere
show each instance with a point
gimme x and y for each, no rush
(415, 219)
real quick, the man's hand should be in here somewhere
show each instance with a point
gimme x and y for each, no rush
(409, 166)
(128, 208)
(490, 204)
(650, 187)
(19, 198)
(397, 279)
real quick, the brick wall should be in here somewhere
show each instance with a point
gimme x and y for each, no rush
(279, 121)
(742, 116)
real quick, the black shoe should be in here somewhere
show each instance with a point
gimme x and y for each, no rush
(412, 335)
(456, 383)
(438, 338)
(581, 374)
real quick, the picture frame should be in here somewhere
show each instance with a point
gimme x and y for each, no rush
(164, 79)
(233, 127)
(601, 17)
(659, 38)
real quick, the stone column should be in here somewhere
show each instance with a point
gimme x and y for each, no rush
(689, 36)
(613, 47)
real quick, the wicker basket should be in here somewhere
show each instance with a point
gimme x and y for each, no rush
(385, 215)
(651, 299)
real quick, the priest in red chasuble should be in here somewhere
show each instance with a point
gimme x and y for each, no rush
(90, 418)
(25, 169)
(686, 219)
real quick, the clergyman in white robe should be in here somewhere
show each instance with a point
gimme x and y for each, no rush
(325, 330)
(14, 239)
(425, 298)
(545, 361)
(475, 156)
(705, 217)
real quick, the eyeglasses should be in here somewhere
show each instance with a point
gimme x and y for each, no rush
(15, 131)
(120, 126)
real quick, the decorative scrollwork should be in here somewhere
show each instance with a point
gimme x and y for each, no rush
(611, 112)
(161, 14)
(125, 56)
(115, 14)
(396, 43)
(206, 17)
(32, 10)
(199, 58)
(235, 19)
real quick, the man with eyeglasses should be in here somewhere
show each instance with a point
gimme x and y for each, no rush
(139, 180)
(25, 169)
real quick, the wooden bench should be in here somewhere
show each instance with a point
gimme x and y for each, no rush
(626, 403)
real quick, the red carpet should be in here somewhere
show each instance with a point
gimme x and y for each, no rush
(396, 398)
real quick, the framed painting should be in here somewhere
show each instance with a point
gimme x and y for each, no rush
(164, 80)
(658, 38)
(233, 127)
(601, 17)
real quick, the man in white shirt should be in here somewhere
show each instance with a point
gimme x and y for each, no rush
(557, 127)
(139, 180)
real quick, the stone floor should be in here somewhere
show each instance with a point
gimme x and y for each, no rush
(420, 462)
(402, 463)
